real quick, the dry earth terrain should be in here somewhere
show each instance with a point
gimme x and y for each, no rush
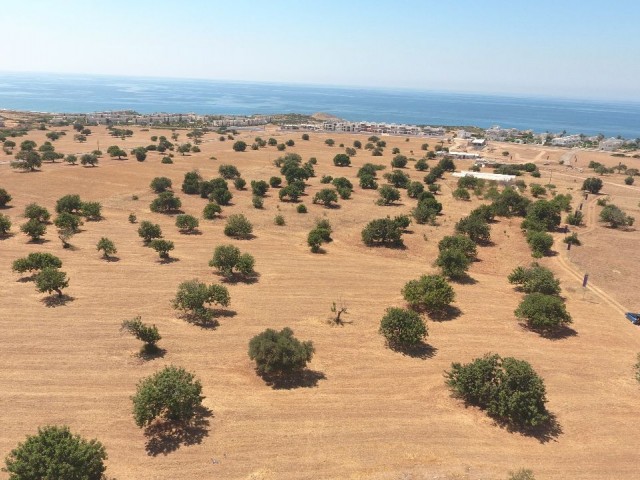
(374, 413)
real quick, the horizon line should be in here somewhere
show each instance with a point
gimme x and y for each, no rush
(514, 95)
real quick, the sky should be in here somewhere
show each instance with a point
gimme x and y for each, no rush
(566, 48)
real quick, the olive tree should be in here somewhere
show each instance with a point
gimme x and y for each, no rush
(187, 223)
(543, 313)
(238, 226)
(211, 210)
(459, 242)
(388, 195)
(430, 292)
(279, 352)
(171, 394)
(4, 197)
(165, 202)
(34, 229)
(453, 262)
(475, 227)
(160, 184)
(56, 453)
(148, 334)
(507, 388)
(5, 225)
(192, 296)
(615, 217)
(162, 246)
(402, 328)
(36, 261)
(535, 279)
(50, 279)
(37, 212)
(228, 260)
(326, 196)
(107, 246)
(592, 185)
(382, 231)
(148, 231)
(539, 242)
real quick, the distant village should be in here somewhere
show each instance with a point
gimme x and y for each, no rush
(477, 137)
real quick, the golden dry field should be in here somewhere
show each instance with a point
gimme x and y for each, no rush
(372, 413)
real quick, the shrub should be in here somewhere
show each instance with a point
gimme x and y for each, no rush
(36, 261)
(461, 194)
(146, 333)
(397, 178)
(459, 242)
(402, 328)
(259, 187)
(535, 279)
(615, 217)
(572, 240)
(166, 160)
(592, 185)
(426, 211)
(34, 229)
(537, 190)
(67, 222)
(56, 453)
(160, 184)
(509, 203)
(279, 353)
(238, 183)
(305, 136)
(421, 165)
(301, 208)
(453, 262)
(542, 215)
(629, 180)
(342, 160)
(191, 183)
(163, 247)
(330, 141)
(522, 474)
(192, 296)
(429, 292)
(50, 279)
(507, 388)
(37, 212)
(211, 210)
(543, 313)
(4, 197)
(575, 218)
(165, 202)
(5, 224)
(91, 211)
(238, 226)
(172, 394)
(539, 242)
(148, 231)
(368, 182)
(69, 204)
(399, 161)
(279, 220)
(239, 146)
(275, 182)
(228, 260)
(107, 246)
(388, 195)
(187, 223)
(475, 227)
(414, 189)
(326, 196)
(228, 171)
(383, 231)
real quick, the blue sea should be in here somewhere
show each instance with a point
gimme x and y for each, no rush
(81, 94)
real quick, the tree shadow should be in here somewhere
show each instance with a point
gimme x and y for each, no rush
(168, 260)
(236, 278)
(28, 278)
(392, 246)
(560, 333)
(195, 231)
(303, 379)
(465, 279)
(166, 437)
(111, 259)
(250, 236)
(548, 431)
(151, 352)
(422, 350)
(4, 236)
(448, 313)
(57, 300)
(39, 241)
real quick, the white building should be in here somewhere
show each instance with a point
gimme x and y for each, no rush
(611, 144)
(566, 141)
(496, 177)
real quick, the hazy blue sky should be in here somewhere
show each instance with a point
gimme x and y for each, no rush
(562, 48)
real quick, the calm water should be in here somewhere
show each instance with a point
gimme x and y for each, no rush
(66, 93)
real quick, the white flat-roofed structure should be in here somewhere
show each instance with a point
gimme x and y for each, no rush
(496, 177)
(474, 156)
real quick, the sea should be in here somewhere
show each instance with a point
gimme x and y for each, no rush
(91, 93)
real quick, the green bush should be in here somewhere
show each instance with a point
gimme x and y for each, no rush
(430, 292)
(69, 204)
(37, 212)
(592, 185)
(50, 280)
(148, 334)
(399, 161)
(342, 160)
(91, 211)
(414, 189)
(228, 171)
(453, 262)
(507, 388)
(238, 183)
(397, 178)
(163, 247)
(5, 225)
(279, 353)
(615, 217)
(535, 279)
(165, 202)
(402, 328)
(107, 246)
(229, 261)
(475, 227)
(36, 261)
(421, 165)
(238, 226)
(384, 232)
(459, 242)
(4, 197)
(543, 313)
(56, 453)
(388, 195)
(34, 229)
(171, 394)
(239, 146)
(540, 243)
(279, 220)
(192, 296)
(326, 196)
(259, 187)
(301, 208)
(148, 231)
(461, 194)
(187, 223)
(575, 218)
(211, 210)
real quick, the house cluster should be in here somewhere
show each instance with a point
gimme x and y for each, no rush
(368, 127)
(134, 118)
(499, 134)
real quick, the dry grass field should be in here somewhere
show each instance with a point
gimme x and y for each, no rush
(373, 413)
